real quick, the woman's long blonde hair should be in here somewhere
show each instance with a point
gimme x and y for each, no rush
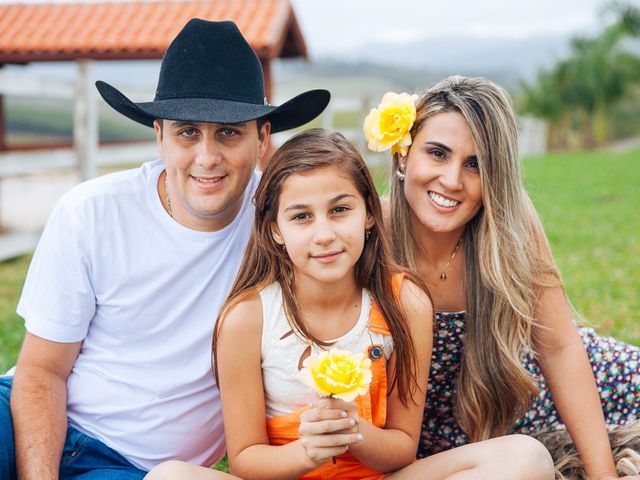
(504, 266)
(625, 445)
(265, 262)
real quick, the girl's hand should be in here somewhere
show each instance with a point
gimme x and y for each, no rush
(328, 428)
(349, 408)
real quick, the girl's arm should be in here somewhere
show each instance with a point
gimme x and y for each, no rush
(387, 449)
(568, 374)
(240, 378)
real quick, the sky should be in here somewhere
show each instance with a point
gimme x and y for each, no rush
(359, 29)
(332, 25)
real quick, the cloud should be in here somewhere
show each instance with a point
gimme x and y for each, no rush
(338, 25)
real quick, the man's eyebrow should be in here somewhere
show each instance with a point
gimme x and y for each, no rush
(236, 125)
(302, 206)
(185, 123)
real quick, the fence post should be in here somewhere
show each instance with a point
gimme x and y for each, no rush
(85, 126)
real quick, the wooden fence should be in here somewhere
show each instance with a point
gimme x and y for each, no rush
(32, 181)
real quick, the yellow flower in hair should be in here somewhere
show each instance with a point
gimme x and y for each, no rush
(338, 373)
(388, 126)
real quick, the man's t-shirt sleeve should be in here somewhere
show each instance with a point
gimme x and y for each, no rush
(58, 301)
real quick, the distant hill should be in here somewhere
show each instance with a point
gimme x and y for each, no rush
(467, 55)
(414, 65)
(361, 74)
(365, 79)
(411, 65)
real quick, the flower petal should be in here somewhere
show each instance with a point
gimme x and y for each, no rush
(390, 123)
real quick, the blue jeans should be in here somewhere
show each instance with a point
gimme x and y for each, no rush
(83, 457)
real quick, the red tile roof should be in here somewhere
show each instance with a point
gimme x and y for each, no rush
(137, 30)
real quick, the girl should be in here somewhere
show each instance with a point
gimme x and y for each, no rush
(503, 329)
(317, 273)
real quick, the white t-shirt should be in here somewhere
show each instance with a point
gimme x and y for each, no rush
(113, 269)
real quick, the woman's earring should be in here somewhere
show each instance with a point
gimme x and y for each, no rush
(283, 247)
(400, 172)
(367, 234)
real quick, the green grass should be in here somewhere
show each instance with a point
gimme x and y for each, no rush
(588, 202)
(12, 275)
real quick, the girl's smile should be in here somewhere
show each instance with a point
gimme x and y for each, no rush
(327, 257)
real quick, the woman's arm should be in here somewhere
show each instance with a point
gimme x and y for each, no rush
(387, 449)
(567, 370)
(240, 378)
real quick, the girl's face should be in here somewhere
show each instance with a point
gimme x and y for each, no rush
(442, 183)
(322, 220)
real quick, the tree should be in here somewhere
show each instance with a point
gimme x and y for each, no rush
(578, 93)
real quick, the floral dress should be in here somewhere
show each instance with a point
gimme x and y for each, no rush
(616, 367)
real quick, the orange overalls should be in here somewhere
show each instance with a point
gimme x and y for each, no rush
(371, 407)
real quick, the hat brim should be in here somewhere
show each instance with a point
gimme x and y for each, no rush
(299, 110)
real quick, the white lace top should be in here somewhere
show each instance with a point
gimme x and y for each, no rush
(281, 352)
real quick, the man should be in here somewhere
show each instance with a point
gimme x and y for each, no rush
(114, 375)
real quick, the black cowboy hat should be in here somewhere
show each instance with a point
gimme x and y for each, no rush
(209, 73)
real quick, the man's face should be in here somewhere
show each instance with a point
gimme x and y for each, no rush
(208, 168)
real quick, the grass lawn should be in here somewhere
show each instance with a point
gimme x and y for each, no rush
(589, 205)
(12, 275)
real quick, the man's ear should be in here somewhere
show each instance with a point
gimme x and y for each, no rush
(275, 233)
(263, 137)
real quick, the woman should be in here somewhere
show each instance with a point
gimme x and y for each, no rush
(504, 335)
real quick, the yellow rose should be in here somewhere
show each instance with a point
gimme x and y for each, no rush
(389, 125)
(338, 373)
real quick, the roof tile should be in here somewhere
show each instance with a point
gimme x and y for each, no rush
(140, 30)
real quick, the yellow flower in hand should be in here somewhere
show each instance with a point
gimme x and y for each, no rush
(388, 126)
(338, 373)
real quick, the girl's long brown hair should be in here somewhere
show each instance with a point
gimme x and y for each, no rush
(504, 268)
(264, 261)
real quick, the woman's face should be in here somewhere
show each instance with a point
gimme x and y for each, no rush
(442, 183)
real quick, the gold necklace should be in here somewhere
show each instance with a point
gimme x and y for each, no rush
(443, 274)
(166, 195)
